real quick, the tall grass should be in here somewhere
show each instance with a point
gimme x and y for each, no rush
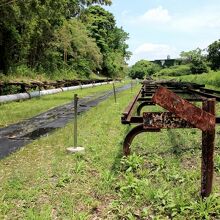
(211, 78)
(179, 70)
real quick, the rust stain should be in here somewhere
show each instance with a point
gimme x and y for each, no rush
(164, 120)
(184, 109)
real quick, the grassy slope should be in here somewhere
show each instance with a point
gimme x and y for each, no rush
(160, 180)
(17, 111)
(212, 78)
(26, 75)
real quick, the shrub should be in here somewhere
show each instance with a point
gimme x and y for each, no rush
(143, 68)
(198, 66)
(175, 71)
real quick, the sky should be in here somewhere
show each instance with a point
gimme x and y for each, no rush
(158, 28)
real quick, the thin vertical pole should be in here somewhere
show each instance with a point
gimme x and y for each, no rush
(75, 119)
(114, 91)
(131, 86)
(208, 142)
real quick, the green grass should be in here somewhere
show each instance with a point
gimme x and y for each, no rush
(160, 180)
(17, 111)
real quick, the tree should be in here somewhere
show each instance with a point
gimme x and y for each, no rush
(196, 60)
(110, 39)
(143, 68)
(214, 55)
(79, 50)
(27, 29)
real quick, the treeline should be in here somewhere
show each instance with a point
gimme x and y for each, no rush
(196, 61)
(51, 35)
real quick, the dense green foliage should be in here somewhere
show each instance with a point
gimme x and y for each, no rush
(49, 35)
(109, 38)
(196, 60)
(214, 55)
(143, 68)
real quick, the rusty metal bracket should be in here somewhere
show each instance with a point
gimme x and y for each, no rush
(131, 135)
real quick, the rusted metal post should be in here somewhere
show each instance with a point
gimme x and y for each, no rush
(114, 91)
(75, 149)
(75, 119)
(208, 142)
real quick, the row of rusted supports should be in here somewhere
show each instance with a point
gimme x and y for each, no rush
(22, 87)
(181, 114)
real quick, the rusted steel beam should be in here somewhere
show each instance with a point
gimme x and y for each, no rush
(127, 114)
(148, 92)
(208, 142)
(139, 120)
(209, 90)
(131, 135)
(184, 109)
(169, 83)
(205, 94)
(147, 99)
(164, 120)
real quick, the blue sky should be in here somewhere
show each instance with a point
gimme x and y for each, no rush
(159, 28)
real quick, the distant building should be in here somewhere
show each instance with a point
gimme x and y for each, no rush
(168, 62)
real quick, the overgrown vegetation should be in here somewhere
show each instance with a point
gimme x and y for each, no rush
(142, 69)
(212, 78)
(55, 37)
(160, 180)
(179, 70)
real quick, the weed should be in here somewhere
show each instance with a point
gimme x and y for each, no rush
(206, 209)
(217, 163)
(131, 163)
(107, 179)
(79, 167)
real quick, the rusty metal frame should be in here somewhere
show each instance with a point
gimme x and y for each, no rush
(155, 121)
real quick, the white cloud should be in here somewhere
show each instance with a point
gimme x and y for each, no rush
(149, 48)
(150, 51)
(198, 20)
(191, 21)
(155, 15)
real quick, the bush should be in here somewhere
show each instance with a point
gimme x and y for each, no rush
(143, 68)
(175, 71)
(198, 66)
